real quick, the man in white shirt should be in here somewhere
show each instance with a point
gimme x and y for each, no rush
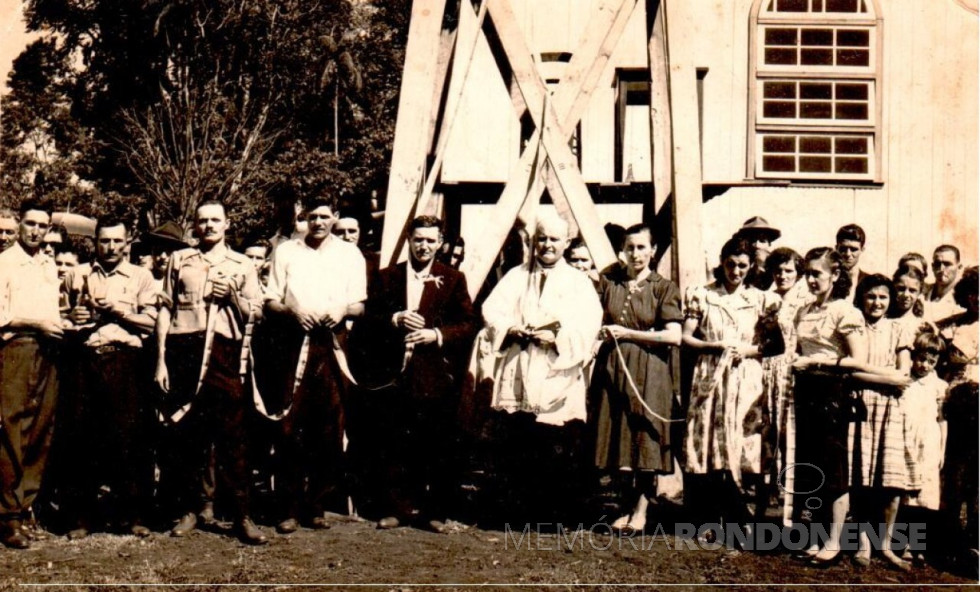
(317, 283)
(946, 267)
(30, 329)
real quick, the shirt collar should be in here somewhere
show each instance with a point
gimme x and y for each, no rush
(123, 269)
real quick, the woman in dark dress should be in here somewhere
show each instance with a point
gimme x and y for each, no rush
(632, 390)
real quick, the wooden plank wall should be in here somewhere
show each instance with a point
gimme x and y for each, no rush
(930, 134)
(485, 138)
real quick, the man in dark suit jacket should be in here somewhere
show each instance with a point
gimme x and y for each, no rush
(424, 326)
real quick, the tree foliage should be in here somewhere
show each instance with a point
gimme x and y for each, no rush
(153, 105)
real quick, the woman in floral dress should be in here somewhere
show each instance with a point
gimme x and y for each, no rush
(785, 267)
(728, 416)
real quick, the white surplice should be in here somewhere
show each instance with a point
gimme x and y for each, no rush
(548, 382)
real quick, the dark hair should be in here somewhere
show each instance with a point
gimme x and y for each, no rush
(616, 235)
(913, 256)
(952, 249)
(65, 246)
(851, 232)
(966, 286)
(318, 201)
(875, 280)
(259, 242)
(733, 247)
(576, 243)
(425, 222)
(842, 287)
(914, 273)
(780, 256)
(638, 229)
(927, 340)
(33, 204)
(109, 222)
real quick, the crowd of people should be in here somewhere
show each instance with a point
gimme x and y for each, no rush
(165, 375)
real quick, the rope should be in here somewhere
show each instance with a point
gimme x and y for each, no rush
(635, 390)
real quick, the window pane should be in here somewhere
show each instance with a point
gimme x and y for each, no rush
(852, 57)
(852, 38)
(781, 37)
(851, 165)
(851, 111)
(851, 145)
(822, 37)
(781, 56)
(791, 5)
(779, 164)
(817, 6)
(779, 144)
(814, 164)
(816, 111)
(783, 109)
(779, 90)
(815, 90)
(841, 5)
(817, 57)
(815, 144)
(852, 92)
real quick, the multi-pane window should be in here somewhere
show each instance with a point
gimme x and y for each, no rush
(814, 90)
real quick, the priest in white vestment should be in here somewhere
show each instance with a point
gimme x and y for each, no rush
(542, 320)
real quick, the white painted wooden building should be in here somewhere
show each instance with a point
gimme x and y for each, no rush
(695, 115)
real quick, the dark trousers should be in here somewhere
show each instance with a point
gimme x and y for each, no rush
(106, 435)
(309, 455)
(216, 418)
(28, 395)
(418, 450)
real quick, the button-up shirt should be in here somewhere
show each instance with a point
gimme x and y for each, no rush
(129, 287)
(29, 288)
(316, 280)
(415, 285)
(187, 287)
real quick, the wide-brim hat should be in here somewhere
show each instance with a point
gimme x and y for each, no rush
(756, 226)
(168, 234)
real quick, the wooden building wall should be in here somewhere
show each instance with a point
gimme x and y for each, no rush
(929, 193)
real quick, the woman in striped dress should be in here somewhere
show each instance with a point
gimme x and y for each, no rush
(880, 472)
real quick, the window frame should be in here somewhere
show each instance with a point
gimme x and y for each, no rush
(759, 74)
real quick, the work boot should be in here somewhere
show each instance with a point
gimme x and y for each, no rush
(249, 533)
(12, 536)
(185, 526)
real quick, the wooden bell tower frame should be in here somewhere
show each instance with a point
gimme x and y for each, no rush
(430, 98)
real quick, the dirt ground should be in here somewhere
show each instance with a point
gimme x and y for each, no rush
(354, 552)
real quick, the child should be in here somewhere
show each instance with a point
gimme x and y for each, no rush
(925, 427)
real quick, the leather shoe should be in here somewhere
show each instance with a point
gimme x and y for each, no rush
(249, 533)
(319, 523)
(287, 526)
(12, 536)
(139, 531)
(185, 526)
(436, 526)
(388, 522)
(207, 514)
(33, 531)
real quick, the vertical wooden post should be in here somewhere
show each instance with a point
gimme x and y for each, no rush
(661, 147)
(687, 241)
(412, 128)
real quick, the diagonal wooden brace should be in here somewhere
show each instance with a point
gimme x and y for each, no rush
(569, 100)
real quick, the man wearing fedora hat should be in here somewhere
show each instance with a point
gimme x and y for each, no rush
(757, 231)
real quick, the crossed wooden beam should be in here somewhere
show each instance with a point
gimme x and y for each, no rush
(546, 159)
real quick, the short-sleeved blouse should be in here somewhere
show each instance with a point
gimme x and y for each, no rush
(822, 332)
(722, 316)
(650, 304)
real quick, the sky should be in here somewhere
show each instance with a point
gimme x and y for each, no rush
(13, 36)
